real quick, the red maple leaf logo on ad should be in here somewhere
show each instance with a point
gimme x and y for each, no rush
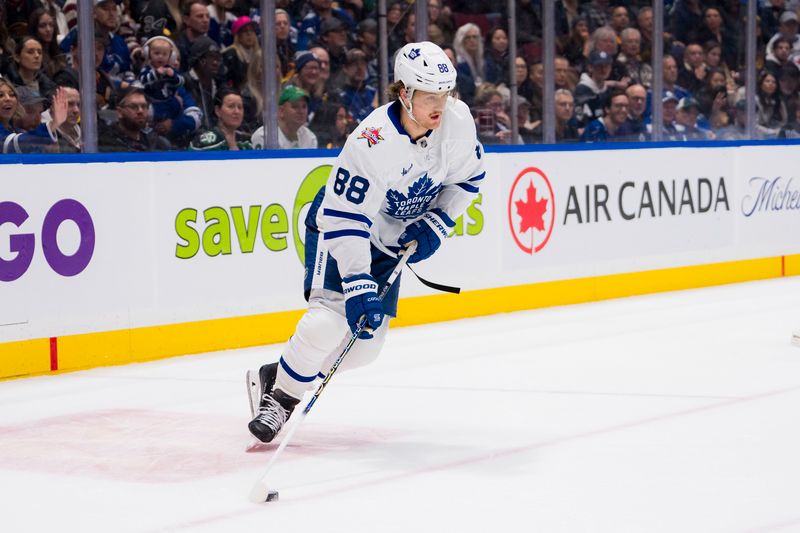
(532, 211)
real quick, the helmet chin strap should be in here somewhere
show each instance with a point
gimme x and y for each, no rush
(410, 108)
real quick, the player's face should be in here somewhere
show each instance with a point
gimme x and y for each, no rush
(428, 108)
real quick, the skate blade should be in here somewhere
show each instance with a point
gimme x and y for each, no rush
(256, 446)
(253, 391)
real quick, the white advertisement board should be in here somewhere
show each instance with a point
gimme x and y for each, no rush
(103, 246)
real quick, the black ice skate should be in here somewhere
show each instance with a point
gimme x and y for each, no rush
(258, 383)
(274, 410)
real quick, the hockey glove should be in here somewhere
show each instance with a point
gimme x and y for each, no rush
(429, 232)
(361, 299)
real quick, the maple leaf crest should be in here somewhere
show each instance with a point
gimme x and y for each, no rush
(531, 210)
(411, 205)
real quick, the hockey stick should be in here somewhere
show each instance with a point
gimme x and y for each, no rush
(260, 492)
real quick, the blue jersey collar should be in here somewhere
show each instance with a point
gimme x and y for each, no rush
(394, 116)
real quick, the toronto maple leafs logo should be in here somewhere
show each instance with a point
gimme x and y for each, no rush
(531, 210)
(414, 53)
(407, 206)
(372, 135)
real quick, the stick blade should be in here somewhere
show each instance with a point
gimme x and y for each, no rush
(260, 493)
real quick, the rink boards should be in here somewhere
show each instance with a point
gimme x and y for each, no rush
(105, 262)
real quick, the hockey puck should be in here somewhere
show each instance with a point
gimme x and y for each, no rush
(272, 496)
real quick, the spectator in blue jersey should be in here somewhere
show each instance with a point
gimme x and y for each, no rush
(361, 99)
(670, 78)
(116, 60)
(40, 137)
(591, 93)
(686, 113)
(669, 130)
(160, 80)
(220, 21)
(196, 22)
(311, 26)
(612, 125)
(225, 135)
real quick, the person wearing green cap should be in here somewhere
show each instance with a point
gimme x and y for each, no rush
(292, 119)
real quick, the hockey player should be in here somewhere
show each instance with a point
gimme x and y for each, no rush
(409, 169)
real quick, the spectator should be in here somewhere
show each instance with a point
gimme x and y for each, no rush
(576, 46)
(563, 75)
(160, 81)
(685, 17)
(395, 24)
(620, 19)
(404, 34)
(130, 133)
(330, 125)
(361, 99)
(596, 13)
(70, 76)
(245, 47)
(333, 38)
(116, 59)
(714, 30)
(628, 64)
(670, 77)
(686, 113)
(202, 81)
(770, 109)
(712, 98)
(43, 27)
(692, 71)
(604, 39)
(529, 22)
(225, 135)
(470, 64)
(292, 118)
(713, 58)
(788, 83)
(532, 89)
(611, 125)
(54, 8)
(367, 42)
(781, 50)
(525, 125)
(69, 133)
(220, 22)
(792, 128)
(7, 44)
(307, 78)
(253, 95)
(26, 69)
(441, 29)
(565, 128)
(496, 57)
(156, 17)
(770, 13)
(324, 59)
(196, 21)
(311, 28)
(669, 131)
(644, 21)
(283, 37)
(637, 104)
(13, 103)
(736, 131)
(591, 93)
(494, 124)
(566, 12)
(787, 30)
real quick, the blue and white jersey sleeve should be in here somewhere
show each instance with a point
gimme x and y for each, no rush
(465, 171)
(353, 197)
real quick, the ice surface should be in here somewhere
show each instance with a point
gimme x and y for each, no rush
(667, 413)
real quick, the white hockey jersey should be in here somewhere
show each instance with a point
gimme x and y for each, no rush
(383, 181)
